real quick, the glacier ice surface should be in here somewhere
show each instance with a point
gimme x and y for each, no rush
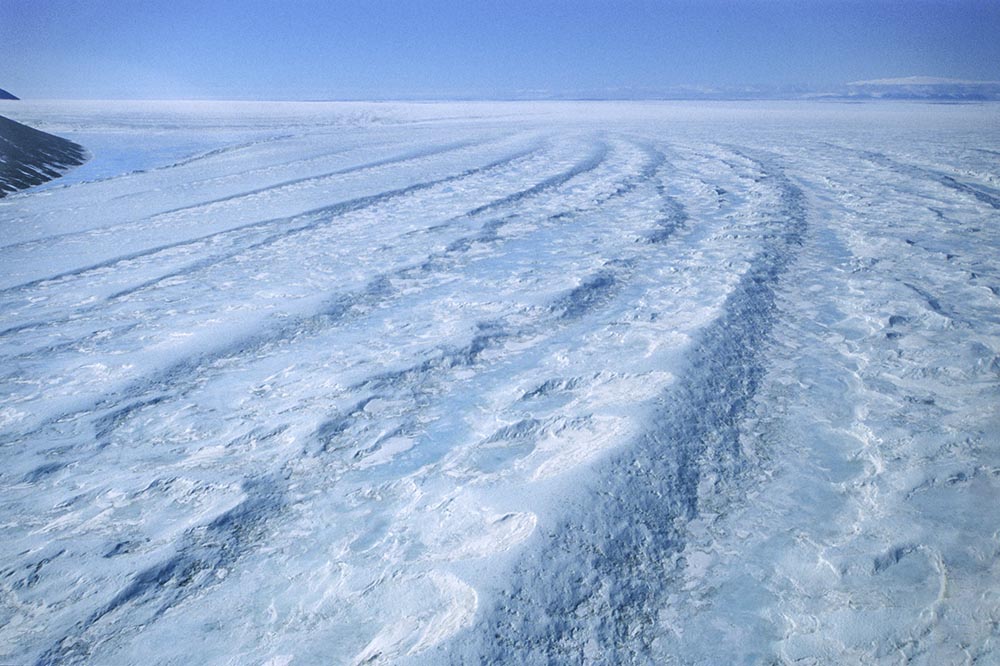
(503, 383)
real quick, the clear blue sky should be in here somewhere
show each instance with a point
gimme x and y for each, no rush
(309, 49)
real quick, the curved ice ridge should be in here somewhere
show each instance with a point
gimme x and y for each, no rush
(592, 585)
(520, 390)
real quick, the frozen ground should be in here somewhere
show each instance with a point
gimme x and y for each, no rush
(503, 383)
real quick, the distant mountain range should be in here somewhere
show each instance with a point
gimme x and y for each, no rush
(913, 87)
(929, 88)
(925, 87)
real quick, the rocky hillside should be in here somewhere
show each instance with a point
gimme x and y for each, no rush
(30, 157)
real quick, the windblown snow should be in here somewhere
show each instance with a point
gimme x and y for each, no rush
(508, 383)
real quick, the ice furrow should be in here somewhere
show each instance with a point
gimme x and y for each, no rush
(593, 583)
(867, 413)
(205, 155)
(588, 164)
(182, 567)
(409, 156)
(327, 215)
(244, 243)
(322, 211)
(669, 384)
(329, 311)
(133, 221)
(979, 193)
(202, 560)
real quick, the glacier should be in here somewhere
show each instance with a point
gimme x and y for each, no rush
(503, 382)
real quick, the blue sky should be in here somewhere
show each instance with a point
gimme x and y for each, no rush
(350, 49)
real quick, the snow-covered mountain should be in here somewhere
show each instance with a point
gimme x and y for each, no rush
(926, 87)
(915, 88)
(546, 383)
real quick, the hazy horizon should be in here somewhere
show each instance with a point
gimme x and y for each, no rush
(438, 49)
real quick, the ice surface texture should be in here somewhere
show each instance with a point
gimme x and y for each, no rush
(503, 383)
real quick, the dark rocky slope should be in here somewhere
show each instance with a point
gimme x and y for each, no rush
(30, 157)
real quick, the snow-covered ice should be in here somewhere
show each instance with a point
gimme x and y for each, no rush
(522, 383)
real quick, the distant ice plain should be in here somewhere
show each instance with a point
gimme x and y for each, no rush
(503, 383)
